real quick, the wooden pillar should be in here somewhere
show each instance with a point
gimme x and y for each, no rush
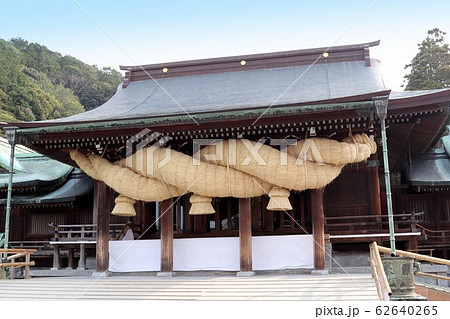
(216, 215)
(70, 259)
(245, 234)
(267, 215)
(256, 215)
(27, 268)
(414, 244)
(318, 223)
(199, 224)
(374, 191)
(102, 209)
(301, 204)
(166, 213)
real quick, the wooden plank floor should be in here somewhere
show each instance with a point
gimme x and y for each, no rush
(273, 287)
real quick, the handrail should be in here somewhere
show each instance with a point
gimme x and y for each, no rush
(372, 224)
(420, 257)
(416, 256)
(29, 242)
(83, 225)
(372, 216)
(11, 260)
(434, 231)
(425, 274)
(16, 250)
(378, 274)
(81, 231)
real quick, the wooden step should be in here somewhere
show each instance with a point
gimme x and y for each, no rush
(286, 287)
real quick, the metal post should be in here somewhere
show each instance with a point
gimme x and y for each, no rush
(12, 139)
(381, 103)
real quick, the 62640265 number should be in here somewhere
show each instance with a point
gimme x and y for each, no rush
(406, 310)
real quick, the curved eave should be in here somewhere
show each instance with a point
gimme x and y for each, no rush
(361, 102)
(35, 183)
(422, 98)
(77, 185)
(431, 169)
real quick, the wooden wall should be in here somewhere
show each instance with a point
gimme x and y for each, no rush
(348, 194)
(436, 206)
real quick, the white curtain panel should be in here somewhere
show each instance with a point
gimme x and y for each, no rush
(217, 253)
(134, 255)
(282, 252)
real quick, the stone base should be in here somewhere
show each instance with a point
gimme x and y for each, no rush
(245, 273)
(59, 273)
(164, 274)
(351, 270)
(407, 298)
(100, 274)
(320, 272)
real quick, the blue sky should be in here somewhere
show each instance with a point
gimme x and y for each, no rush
(158, 31)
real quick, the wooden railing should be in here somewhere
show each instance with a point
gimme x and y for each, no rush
(82, 232)
(367, 224)
(433, 260)
(79, 237)
(435, 235)
(11, 261)
(378, 274)
(42, 247)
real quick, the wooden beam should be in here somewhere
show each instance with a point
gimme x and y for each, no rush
(245, 234)
(318, 221)
(17, 250)
(166, 213)
(17, 264)
(102, 209)
(18, 255)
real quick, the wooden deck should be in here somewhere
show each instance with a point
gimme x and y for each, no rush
(218, 288)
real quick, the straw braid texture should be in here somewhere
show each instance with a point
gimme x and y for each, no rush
(311, 164)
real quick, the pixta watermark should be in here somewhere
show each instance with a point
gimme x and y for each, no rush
(141, 150)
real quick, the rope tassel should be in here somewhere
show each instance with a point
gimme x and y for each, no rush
(201, 205)
(279, 199)
(124, 206)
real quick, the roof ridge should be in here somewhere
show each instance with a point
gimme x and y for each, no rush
(333, 54)
(320, 50)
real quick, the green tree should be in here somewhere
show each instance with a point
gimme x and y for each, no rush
(39, 84)
(430, 68)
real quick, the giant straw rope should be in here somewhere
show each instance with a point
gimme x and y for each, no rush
(243, 169)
